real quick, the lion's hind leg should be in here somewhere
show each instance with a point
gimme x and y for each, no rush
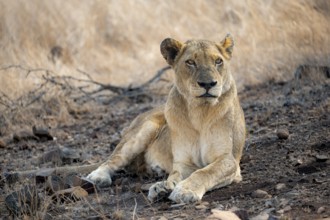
(138, 137)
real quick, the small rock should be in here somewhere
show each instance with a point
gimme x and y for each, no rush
(269, 203)
(11, 177)
(24, 136)
(321, 158)
(242, 214)
(55, 183)
(205, 203)
(53, 156)
(246, 158)
(222, 215)
(298, 162)
(87, 185)
(75, 193)
(260, 194)
(74, 180)
(136, 187)
(69, 155)
(287, 208)
(162, 218)
(261, 216)
(24, 201)
(2, 144)
(200, 207)
(43, 174)
(283, 202)
(269, 210)
(321, 210)
(280, 186)
(146, 187)
(283, 134)
(42, 133)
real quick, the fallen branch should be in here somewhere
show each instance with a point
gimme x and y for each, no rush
(82, 92)
(13, 177)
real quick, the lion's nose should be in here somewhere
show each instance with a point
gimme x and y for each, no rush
(207, 85)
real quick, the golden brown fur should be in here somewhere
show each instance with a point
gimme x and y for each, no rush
(198, 136)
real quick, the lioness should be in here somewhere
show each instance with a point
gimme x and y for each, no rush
(198, 136)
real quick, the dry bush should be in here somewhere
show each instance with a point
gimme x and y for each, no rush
(117, 42)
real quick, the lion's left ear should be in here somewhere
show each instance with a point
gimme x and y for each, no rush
(226, 46)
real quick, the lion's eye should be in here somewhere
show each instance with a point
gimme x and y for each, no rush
(190, 63)
(218, 61)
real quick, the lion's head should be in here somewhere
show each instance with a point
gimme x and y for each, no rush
(201, 67)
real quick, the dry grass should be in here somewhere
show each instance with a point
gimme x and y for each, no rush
(118, 41)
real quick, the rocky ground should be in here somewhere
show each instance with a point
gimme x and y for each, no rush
(285, 166)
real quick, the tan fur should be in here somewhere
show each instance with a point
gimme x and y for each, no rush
(198, 136)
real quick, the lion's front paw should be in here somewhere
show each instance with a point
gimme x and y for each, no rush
(159, 189)
(101, 177)
(182, 194)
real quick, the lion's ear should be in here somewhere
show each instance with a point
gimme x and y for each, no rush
(227, 46)
(170, 49)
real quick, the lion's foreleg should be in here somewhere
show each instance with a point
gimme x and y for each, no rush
(220, 173)
(180, 171)
(134, 143)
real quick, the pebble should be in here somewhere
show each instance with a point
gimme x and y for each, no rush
(24, 136)
(18, 206)
(321, 158)
(246, 158)
(283, 134)
(200, 207)
(222, 215)
(261, 216)
(280, 186)
(321, 210)
(260, 194)
(145, 187)
(42, 133)
(2, 144)
(283, 202)
(285, 209)
(269, 203)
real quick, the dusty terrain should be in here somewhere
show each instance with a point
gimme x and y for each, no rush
(286, 156)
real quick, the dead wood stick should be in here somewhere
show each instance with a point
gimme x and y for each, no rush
(13, 177)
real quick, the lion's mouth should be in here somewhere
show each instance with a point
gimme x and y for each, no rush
(207, 95)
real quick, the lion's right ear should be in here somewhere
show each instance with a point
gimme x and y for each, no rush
(170, 49)
(226, 46)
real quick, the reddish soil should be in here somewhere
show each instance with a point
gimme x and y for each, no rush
(286, 155)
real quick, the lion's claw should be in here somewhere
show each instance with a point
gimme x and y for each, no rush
(100, 177)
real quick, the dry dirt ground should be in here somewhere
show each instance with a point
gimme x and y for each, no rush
(285, 166)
